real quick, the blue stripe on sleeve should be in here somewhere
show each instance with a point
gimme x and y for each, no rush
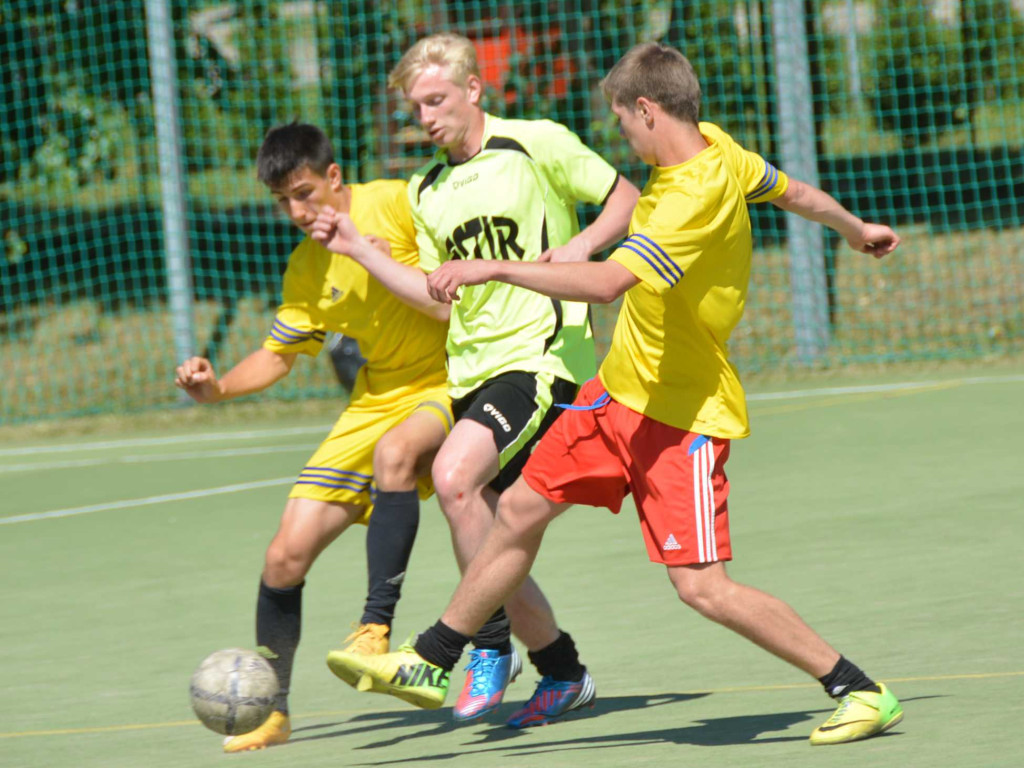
(274, 335)
(766, 181)
(630, 247)
(285, 326)
(295, 337)
(665, 261)
(770, 178)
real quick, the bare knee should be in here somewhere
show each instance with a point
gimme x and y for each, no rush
(394, 463)
(285, 564)
(705, 589)
(524, 512)
(307, 527)
(454, 491)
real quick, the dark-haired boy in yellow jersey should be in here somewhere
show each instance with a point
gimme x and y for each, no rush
(658, 420)
(377, 457)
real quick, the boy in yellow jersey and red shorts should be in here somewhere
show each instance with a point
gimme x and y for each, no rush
(377, 457)
(658, 420)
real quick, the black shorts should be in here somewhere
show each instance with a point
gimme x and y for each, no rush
(518, 407)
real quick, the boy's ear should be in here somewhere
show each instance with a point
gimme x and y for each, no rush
(474, 89)
(334, 177)
(644, 109)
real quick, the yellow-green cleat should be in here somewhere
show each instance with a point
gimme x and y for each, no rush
(860, 714)
(368, 640)
(404, 674)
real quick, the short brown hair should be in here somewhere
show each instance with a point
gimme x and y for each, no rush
(445, 50)
(659, 73)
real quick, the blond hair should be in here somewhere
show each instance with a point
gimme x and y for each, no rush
(455, 52)
(656, 72)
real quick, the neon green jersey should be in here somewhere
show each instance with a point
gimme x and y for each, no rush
(512, 200)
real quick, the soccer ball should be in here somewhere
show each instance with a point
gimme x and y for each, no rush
(233, 691)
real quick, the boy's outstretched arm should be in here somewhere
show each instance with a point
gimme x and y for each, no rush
(816, 205)
(256, 372)
(596, 282)
(338, 233)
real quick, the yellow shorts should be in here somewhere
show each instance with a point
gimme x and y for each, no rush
(341, 469)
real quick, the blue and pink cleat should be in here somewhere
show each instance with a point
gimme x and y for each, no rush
(488, 674)
(552, 699)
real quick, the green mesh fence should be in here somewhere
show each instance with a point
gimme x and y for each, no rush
(913, 114)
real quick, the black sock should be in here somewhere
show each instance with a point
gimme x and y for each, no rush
(278, 625)
(560, 660)
(496, 634)
(389, 539)
(845, 678)
(441, 646)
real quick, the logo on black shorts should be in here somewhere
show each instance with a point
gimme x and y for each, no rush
(498, 416)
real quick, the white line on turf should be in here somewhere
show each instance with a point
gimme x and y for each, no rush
(170, 440)
(799, 394)
(128, 503)
(153, 457)
(796, 394)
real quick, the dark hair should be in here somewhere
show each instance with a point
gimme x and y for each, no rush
(290, 148)
(659, 73)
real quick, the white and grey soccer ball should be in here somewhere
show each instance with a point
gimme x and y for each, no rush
(233, 691)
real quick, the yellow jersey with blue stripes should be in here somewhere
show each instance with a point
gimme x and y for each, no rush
(690, 245)
(323, 291)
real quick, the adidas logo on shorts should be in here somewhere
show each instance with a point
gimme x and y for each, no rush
(671, 543)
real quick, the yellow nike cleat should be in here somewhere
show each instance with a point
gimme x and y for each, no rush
(368, 640)
(276, 730)
(860, 714)
(404, 674)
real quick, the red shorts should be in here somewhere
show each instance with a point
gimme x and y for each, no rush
(677, 478)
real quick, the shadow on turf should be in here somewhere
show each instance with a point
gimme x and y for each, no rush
(440, 720)
(720, 731)
(742, 729)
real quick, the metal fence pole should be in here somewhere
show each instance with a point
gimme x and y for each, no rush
(160, 32)
(853, 52)
(797, 149)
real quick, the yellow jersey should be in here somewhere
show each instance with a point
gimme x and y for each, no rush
(690, 245)
(324, 291)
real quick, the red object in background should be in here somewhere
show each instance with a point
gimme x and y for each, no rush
(493, 54)
(539, 52)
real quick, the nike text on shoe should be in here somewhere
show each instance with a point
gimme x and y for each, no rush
(488, 674)
(552, 699)
(276, 730)
(860, 714)
(404, 674)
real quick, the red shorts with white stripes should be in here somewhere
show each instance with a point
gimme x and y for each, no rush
(677, 478)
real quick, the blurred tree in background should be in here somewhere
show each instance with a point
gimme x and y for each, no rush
(920, 88)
